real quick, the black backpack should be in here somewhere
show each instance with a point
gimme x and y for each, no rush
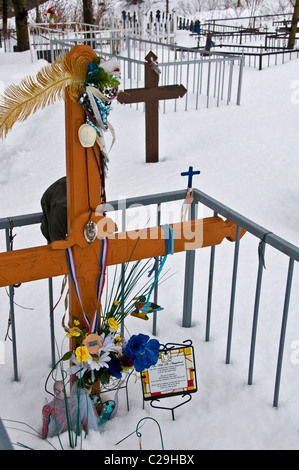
(54, 207)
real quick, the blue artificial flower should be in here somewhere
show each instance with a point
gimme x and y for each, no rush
(143, 350)
(115, 367)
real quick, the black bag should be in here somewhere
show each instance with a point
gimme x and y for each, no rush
(54, 206)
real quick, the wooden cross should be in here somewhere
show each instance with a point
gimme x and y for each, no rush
(150, 95)
(83, 196)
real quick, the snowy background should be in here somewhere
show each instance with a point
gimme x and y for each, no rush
(248, 158)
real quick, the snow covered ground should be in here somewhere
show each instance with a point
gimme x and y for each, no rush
(248, 158)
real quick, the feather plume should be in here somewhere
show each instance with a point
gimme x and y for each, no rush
(35, 93)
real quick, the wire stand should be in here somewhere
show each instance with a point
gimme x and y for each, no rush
(174, 407)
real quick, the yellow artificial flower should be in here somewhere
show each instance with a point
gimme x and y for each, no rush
(116, 303)
(117, 339)
(82, 354)
(76, 323)
(113, 324)
(73, 332)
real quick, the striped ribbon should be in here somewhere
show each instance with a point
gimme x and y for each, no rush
(92, 326)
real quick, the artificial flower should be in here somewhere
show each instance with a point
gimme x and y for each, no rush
(127, 362)
(110, 66)
(82, 354)
(97, 361)
(92, 363)
(79, 368)
(143, 350)
(113, 324)
(73, 332)
(109, 344)
(115, 367)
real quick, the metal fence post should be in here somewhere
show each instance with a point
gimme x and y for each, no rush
(5, 442)
(156, 272)
(52, 332)
(210, 290)
(129, 57)
(12, 318)
(240, 82)
(283, 331)
(233, 295)
(230, 81)
(52, 55)
(262, 248)
(209, 306)
(189, 281)
(123, 270)
(208, 84)
(261, 61)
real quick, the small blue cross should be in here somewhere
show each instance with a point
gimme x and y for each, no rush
(190, 175)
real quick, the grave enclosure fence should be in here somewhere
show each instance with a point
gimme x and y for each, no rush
(261, 237)
(210, 79)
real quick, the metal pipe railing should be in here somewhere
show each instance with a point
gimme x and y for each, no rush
(260, 233)
(196, 69)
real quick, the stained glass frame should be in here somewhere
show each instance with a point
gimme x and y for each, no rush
(174, 374)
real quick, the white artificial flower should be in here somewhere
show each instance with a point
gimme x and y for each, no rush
(108, 344)
(97, 361)
(79, 368)
(110, 66)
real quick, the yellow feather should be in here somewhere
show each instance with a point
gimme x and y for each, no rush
(34, 93)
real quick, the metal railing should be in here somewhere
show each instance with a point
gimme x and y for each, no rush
(8, 40)
(210, 78)
(259, 56)
(263, 236)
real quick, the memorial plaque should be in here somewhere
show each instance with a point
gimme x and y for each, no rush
(174, 374)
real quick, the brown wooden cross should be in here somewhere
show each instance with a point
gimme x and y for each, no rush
(83, 193)
(151, 95)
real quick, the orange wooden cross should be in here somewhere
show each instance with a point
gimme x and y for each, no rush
(150, 95)
(83, 197)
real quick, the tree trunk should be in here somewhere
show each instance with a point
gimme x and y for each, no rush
(294, 26)
(37, 14)
(21, 25)
(87, 11)
(4, 6)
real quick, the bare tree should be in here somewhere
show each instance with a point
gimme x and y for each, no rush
(190, 7)
(294, 26)
(87, 11)
(104, 7)
(21, 14)
(4, 16)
